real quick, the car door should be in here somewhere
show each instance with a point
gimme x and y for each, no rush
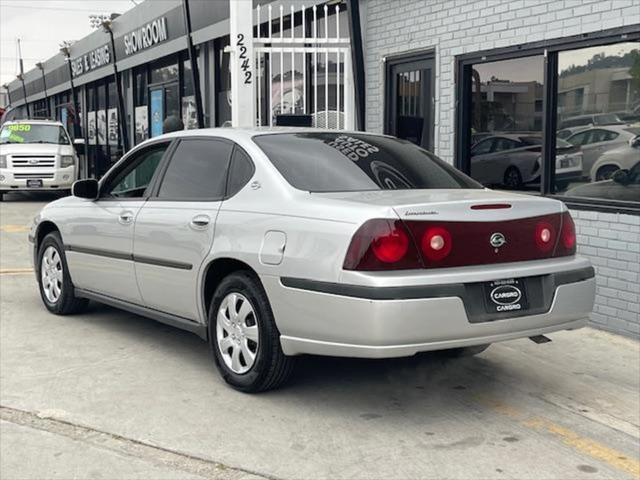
(99, 238)
(174, 230)
(480, 157)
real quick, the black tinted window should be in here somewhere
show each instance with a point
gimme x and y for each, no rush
(240, 172)
(198, 170)
(329, 162)
(133, 180)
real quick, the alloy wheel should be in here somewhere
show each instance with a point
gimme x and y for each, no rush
(237, 333)
(51, 274)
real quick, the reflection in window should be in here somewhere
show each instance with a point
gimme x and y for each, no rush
(506, 131)
(599, 113)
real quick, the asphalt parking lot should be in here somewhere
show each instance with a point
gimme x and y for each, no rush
(108, 394)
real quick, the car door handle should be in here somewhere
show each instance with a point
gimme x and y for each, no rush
(200, 222)
(125, 217)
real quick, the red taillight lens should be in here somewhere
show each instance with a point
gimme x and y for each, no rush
(382, 244)
(391, 247)
(436, 244)
(545, 236)
(568, 236)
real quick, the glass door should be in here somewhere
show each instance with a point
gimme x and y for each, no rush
(164, 108)
(410, 100)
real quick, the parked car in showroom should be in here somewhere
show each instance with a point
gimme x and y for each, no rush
(591, 120)
(623, 157)
(512, 160)
(275, 243)
(595, 142)
(36, 155)
(623, 185)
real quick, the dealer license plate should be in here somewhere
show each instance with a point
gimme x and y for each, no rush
(506, 296)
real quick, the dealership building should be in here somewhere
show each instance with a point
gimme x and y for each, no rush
(539, 96)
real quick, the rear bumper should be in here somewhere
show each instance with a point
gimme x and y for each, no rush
(339, 324)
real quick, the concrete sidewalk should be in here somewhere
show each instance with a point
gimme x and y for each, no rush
(107, 394)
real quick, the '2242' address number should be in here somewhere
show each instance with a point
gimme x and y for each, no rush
(245, 66)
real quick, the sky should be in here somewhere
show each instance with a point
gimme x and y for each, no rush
(42, 25)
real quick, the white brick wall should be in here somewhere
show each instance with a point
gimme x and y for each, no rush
(454, 27)
(612, 243)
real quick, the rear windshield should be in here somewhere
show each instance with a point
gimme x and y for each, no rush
(337, 162)
(33, 133)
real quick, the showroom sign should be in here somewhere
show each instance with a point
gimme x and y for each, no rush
(90, 61)
(146, 36)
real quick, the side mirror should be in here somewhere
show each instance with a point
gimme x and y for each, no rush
(85, 189)
(79, 146)
(621, 177)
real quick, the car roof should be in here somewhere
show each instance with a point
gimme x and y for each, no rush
(33, 121)
(233, 133)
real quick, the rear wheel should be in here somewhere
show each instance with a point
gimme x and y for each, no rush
(244, 338)
(512, 179)
(605, 173)
(56, 288)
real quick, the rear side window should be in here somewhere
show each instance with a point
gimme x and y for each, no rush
(240, 172)
(197, 171)
(337, 162)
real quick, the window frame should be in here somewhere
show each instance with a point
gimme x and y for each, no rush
(125, 162)
(549, 49)
(169, 155)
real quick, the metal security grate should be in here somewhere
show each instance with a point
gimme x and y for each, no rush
(306, 71)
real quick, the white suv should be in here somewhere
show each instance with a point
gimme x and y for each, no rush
(36, 155)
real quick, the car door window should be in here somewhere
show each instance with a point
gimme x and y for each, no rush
(134, 179)
(240, 172)
(503, 144)
(579, 138)
(197, 170)
(609, 135)
(483, 147)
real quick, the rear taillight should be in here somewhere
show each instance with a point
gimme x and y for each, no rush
(567, 244)
(545, 236)
(382, 244)
(436, 244)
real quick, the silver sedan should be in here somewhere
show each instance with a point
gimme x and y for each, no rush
(270, 244)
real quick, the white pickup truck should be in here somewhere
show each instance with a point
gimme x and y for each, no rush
(36, 155)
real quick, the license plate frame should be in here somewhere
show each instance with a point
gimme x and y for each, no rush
(34, 183)
(506, 296)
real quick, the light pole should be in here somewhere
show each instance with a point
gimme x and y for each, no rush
(195, 73)
(40, 66)
(24, 92)
(106, 26)
(6, 87)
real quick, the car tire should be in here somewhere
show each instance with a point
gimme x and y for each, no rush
(243, 336)
(512, 179)
(465, 351)
(54, 281)
(605, 172)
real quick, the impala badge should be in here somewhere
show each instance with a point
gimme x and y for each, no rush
(497, 240)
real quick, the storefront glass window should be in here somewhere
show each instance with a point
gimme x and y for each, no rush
(141, 105)
(112, 116)
(189, 116)
(506, 123)
(599, 115)
(164, 71)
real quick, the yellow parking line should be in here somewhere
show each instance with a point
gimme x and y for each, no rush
(15, 271)
(583, 445)
(14, 228)
(588, 446)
